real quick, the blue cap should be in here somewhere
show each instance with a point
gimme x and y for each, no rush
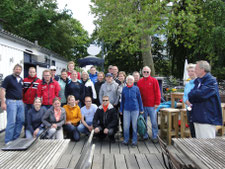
(108, 74)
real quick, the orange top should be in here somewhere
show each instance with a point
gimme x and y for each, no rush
(73, 114)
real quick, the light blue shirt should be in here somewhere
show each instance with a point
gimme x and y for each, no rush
(188, 87)
(89, 113)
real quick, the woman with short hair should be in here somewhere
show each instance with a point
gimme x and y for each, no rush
(131, 105)
(54, 119)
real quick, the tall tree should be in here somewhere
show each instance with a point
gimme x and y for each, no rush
(131, 23)
(41, 20)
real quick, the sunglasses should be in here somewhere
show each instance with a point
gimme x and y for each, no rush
(53, 69)
(145, 71)
(105, 100)
(88, 101)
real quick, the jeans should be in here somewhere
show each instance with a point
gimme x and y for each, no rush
(55, 134)
(128, 118)
(151, 111)
(83, 129)
(27, 107)
(72, 131)
(191, 124)
(15, 119)
(30, 135)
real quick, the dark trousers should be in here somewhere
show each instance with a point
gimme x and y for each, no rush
(72, 132)
(102, 135)
(191, 124)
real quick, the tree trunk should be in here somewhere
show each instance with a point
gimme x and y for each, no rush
(146, 46)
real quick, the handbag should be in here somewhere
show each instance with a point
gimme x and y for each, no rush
(141, 126)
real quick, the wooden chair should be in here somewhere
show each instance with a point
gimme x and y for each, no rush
(169, 123)
(169, 160)
(184, 131)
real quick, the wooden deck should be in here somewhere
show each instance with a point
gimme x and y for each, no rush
(114, 155)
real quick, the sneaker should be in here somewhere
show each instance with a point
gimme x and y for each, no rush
(133, 145)
(125, 143)
(155, 140)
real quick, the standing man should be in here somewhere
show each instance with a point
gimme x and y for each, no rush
(71, 66)
(115, 72)
(110, 69)
(88, 112)
(205, 101)
(150, 94)
(12, 90)
(93, 75)
(48, 89)
(30, 85)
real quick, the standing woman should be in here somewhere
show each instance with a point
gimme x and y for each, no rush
(63, 80)
(73, 117)
(76, 88)
(88, 85)
(131, 105)
(190, 85)
(34, 119)
(55, 118)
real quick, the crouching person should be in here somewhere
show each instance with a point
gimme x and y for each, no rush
(73, 117)
(88, 112)
(54, 119)
(105, 120)
(34, 119)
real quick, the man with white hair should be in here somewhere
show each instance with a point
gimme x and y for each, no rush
(150, 94)
(205, 101)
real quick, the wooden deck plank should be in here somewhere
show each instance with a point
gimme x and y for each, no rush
(131, 161)
(154, 161)
(98, 146)
(78, 147)
(120, 161)
(64, 161)
(105, 147)
(142, 161)
(114, 149)
(97, 161)
(109, 161)
(73, 161)
(133, 150)
(123, 149)
(142, 147)
(151, 147)
(70, 147)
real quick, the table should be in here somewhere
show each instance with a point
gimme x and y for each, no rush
(204, 153)
(42, 154)
(177, 95)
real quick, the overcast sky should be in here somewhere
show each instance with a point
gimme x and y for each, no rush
(81, 12)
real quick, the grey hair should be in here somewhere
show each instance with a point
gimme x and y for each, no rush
(190, 66)
(204, 65)
(146, 67)
(130, 77)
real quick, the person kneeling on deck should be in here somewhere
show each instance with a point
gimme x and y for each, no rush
(88, 112)
(54, 118)
(73, 117)
(105, 120)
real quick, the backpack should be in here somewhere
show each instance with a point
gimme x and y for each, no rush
(141, 126)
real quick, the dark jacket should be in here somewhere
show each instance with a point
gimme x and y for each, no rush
(34, 118)
(108, 119)
(76, 89)
(205, 100)
(49, 118)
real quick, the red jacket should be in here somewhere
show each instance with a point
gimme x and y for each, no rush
(48, 91)
(150, 91)
(69, 74)
(30, 92)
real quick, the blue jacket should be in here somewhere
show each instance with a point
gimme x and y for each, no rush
(205, 100)
(190, 85)
(93, 77)
(131, 99)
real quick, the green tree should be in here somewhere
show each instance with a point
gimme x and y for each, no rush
(130, 25)
(41, 20)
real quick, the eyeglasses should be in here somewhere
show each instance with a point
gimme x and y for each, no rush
(145, 71)
(105, 100)
(88, 101)
(53, 69)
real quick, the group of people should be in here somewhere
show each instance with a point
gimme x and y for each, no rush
(73, 103)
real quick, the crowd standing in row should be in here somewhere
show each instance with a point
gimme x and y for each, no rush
(73, 104)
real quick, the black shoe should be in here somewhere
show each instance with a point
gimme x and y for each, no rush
(133, 145)
(125, 143)
(155, 140)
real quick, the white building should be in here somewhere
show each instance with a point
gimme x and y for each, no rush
(15, 49)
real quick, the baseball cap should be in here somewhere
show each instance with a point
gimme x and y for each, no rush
(52, 68)
(108, 74)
